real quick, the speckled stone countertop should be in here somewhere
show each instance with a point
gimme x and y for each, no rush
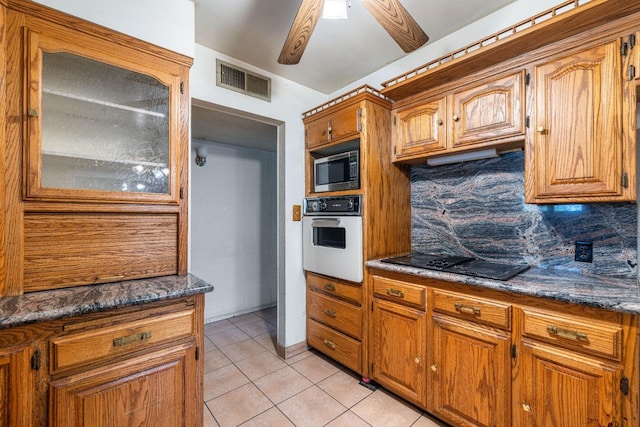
(551, 283)
(55, 304)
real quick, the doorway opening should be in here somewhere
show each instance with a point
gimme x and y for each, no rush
(235, 231)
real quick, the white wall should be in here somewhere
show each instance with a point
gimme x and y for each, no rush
(233, 223)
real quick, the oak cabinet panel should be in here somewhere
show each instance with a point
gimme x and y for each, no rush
(340, 124)
(489, 111)
(563, 388)
(64, 250)
(470, 373)
(342, 316)
(420, 130)
(336, 345)
(398, 350)
(17, 387)
(149, 390)
(578, 150)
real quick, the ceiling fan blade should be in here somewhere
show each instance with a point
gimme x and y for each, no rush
(300, 32)
(398, 23)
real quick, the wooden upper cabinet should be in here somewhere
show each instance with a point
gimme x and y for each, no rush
(420, 130)
(489, 111)
(102, 125)
(482, 114)
(577, 151)
(339, 125)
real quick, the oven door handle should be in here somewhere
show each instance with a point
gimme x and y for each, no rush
(325, 222)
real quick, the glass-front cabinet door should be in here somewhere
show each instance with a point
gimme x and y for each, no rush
(98, 130)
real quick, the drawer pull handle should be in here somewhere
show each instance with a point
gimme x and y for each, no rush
(468, 309)
(567, 333)
(330, 344)
(395, 293)
(330, 313)
(330, 287)
(130, 339)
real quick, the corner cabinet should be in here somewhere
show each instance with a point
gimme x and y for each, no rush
(580, 148)
(96, 154)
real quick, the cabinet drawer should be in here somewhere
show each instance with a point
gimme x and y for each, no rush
(335, 287)
(113, 341)
(339, 315)
(339, 347)
(472, 308)
(64, 250)
(400, 292)
(589, 335)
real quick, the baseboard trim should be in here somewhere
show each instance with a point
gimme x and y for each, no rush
(292, 350)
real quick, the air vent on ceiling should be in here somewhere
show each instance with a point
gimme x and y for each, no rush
(235, 78)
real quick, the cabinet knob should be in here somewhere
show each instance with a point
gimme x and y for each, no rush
(541, 130)
(440, 122)
(417, 360)
(455, 118)
(33, 112)
(434, 368)
(526, 407)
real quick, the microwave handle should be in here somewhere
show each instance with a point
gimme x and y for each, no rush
(325, 222)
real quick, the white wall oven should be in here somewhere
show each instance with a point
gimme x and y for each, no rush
(332, 237)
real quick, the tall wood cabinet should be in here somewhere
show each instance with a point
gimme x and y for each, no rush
(95, 154)
(358, 120)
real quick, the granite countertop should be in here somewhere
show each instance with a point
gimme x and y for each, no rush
(604, 292)
(55, 304)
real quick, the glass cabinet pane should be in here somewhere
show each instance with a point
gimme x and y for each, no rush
(103, 127)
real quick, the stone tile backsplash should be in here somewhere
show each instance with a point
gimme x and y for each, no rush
(477, 209)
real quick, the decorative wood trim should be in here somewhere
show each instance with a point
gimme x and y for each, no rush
(362, 90)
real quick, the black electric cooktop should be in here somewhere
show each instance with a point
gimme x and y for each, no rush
(459, 264)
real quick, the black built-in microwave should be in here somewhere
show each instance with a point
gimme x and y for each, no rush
(337, 172)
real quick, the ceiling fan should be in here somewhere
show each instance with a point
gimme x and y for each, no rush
(389, 13)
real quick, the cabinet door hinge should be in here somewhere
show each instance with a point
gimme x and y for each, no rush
(624, 49)
(371, 305)
(197, 353)
(394, 120)
(182, 88)
(35, 360)
(624, 386)
(527, 79)
(514, 351)
(394, 150)
(359, 120)
(527, 121)
(372, 368)
(625, 180)
(632, 41)
(181, 193)
(631, 73)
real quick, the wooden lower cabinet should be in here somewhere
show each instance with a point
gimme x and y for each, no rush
(133, 366)
(399, 353)
(470, 373)
(152, 390)
(563, 388)
(17, 384)
(479, 357)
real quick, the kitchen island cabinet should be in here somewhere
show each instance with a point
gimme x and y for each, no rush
(113, 354)
(544, 348)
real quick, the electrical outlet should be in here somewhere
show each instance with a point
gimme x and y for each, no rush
(584, 251)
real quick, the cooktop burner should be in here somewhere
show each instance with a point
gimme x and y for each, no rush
(460, 264)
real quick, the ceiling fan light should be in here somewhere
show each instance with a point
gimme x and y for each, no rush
(335, 9)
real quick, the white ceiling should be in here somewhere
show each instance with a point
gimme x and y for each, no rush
(339, 51)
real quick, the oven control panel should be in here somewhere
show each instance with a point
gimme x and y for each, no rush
(343, 205)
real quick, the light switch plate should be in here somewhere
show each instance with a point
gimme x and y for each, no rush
(297, 212)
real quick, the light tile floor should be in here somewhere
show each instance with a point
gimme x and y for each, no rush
(247, 384)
